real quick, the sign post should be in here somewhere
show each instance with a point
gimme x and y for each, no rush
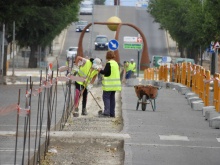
(138, 63)
(134, 43)
(216, 46)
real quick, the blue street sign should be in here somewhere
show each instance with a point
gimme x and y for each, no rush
(164, 59)
(113, 45)
(211, 49)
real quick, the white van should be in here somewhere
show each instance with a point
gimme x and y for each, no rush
(86, 7)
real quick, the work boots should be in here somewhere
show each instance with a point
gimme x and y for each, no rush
(84, 111)
(76, 112)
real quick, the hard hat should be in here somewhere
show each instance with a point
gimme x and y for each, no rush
(97, 63)
(132, 60)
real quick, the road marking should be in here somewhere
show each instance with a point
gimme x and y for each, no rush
(173, 137)
(168, 145)
(218, 139)
(12, 150)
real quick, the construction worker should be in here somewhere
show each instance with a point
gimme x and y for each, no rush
(131, 69)
(110, 84)
(87, 68)
(124, 71)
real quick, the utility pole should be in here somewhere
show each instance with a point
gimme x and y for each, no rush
(200, 44)
(91, 38)
(13, 49)
(3, 44)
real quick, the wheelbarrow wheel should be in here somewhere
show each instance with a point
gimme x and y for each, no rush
(144, 102)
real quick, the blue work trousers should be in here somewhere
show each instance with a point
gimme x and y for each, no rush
(128, 74)
(109, 103)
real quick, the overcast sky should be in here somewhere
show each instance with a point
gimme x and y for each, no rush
(126, 2)
(123, 2)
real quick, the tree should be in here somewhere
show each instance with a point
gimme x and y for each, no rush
(38, 22)
(187, 21)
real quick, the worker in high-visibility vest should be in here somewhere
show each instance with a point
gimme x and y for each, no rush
(87, 68)
(131, 69)
(110, 84)
(124, 71)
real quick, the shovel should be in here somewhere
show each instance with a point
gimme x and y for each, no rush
(96, 101)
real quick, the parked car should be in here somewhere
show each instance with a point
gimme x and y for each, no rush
(80, 25)
(71, 52)
(101, 42)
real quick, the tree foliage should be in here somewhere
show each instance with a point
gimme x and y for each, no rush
(192, 23)
(38, 22)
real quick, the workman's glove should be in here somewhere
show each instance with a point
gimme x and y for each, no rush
(75, 68)
(80, 63)
(89, 87)
(96, 67)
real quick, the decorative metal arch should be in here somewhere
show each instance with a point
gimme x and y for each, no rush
(145, 61)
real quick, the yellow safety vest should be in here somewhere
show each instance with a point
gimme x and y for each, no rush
(112, 83)
(126, 65)
(132, 67)
(87, 72)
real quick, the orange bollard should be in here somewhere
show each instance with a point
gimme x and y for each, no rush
(171, 73)
(156, 74)
(160, 74)
(197, 79)
(201, 84)
(189, 74)
(183, 73)
(179, 72)
(216, 90)
(207, 85)
(152, 73)
(175, 72)
(194, 78)
(165, 73)
(145, 74)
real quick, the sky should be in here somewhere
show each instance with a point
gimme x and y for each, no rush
(124, 2)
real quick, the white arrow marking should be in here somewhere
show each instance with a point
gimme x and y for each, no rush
(113, 45)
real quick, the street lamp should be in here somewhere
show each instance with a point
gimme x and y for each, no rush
(200, 44)
(3, 44)
(91, 38)
(13, 48)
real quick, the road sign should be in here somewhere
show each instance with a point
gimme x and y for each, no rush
(217, 46)
(164, 59)
(139, 40)
(132, 46)
(130, 39)
(113, 45)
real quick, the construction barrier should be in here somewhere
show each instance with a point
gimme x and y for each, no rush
(193, 76)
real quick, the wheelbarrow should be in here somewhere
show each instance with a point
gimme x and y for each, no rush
(146, 94)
